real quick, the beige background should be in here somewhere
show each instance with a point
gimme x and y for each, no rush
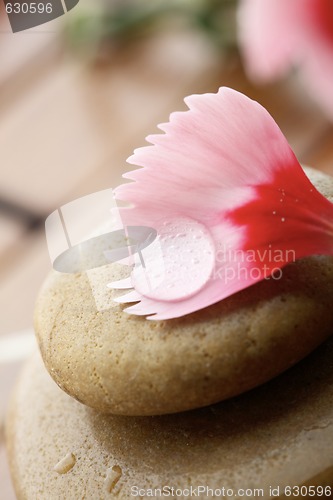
(67, 127)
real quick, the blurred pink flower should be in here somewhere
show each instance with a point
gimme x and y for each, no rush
(229, 201)
(276, 35)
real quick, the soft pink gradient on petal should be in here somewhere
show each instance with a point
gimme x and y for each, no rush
(225, 164)
(317, 74)
(276, 35)
(223, 141)
(268, 33)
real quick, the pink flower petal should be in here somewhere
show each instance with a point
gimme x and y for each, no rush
(223, 140)
(317, 74)
(268, 34)
(129, 297)
(121, 284)
(226, 166)
(275, 35)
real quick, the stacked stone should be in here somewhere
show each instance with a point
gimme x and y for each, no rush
(195, 406)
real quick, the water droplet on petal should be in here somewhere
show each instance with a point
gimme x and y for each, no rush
(184, 262)
(283, 219)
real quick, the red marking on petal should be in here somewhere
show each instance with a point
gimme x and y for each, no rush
(290, 216)
(320, 14)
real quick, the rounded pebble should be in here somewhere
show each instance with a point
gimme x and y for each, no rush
(123, 364)
(277, 435)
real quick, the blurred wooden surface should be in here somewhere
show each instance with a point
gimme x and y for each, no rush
(69, 131)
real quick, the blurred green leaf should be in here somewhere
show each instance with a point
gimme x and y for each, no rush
(123, 22)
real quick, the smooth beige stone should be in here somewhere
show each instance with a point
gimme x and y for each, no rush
(124, 364)
(279, 434)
